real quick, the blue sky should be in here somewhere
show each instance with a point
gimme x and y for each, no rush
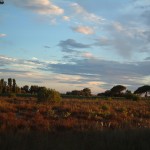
(73, 44)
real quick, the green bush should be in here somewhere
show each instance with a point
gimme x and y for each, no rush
(105, 107)
(45, 95)
(132, 97)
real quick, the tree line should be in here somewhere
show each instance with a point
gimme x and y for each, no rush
(116, 91)
(10, 86)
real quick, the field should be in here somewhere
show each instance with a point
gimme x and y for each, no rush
(91, 124)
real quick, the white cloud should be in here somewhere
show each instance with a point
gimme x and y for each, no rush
(34, 58)
(7, 59)
(84, 30)
(2, 35)
(43, 7)
(66, 18)
(96, 83)
(85, 15)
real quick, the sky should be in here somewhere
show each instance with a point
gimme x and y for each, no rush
(74, 44)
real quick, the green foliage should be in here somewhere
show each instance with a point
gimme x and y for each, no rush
(45, 95)
(105, 107)
(132, 96)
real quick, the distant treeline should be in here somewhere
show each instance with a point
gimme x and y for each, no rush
(10, 86)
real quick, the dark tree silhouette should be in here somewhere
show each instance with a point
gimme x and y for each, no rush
(143, 90)
(117, 90)
(86, 92)
(14, 86)
(1, 2)
(25, 89)
(34, 89)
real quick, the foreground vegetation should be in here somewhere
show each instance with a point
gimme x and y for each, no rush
(106, 140)
(28, 124)
(40, 118)
(76, 115)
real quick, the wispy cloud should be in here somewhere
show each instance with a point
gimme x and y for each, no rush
(85, 15)
(110, 72)
(2, 35)
(66, 18)
(83, 29)
(43, 7)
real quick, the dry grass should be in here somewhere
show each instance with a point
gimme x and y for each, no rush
(74, 125)
(75, 115)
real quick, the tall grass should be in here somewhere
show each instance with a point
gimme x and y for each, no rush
(104, 140)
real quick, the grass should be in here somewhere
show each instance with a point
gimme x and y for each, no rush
(76, 115)
(74, 124)
(106, 140)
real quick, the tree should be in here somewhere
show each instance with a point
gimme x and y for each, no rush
(1, 85)
(34, 89)
(106, 93)
(45, 95)
(143, 90)
(86, 92)
(117, 90)
(5, 90)
(14, 86)
(9, 84)
(25, 88)
(76, 92)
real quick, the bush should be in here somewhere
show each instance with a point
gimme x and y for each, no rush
(11, 95)
(105, 107)
(132, 97)
(45, 94)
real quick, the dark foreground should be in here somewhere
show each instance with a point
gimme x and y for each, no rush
(106, 140)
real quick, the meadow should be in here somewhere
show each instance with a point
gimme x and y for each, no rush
(74, 124)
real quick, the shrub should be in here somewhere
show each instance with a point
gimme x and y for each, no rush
(45, 94)
(105, 107)
(132, 97)
(135, 98)
(11, 95)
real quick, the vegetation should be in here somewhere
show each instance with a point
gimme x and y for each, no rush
(45, 95)
(26, 114)
(103, 140)
(10, 87)
(84, 92)
(143, 90)
(117, 122)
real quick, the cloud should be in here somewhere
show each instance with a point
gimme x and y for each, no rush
(102, 41)
(86, 72)
(46, 46)
(66, 18)
(146, 16)
(88, 55)
(126, 40)
(5, 60)
(43, 7)
(70, 46)
(110, 72)
(147, 58)
(85, 15)
(20, 63)
(2, 35)
(84, 30)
